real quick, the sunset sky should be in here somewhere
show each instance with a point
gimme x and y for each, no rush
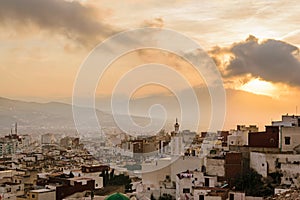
(255, 45)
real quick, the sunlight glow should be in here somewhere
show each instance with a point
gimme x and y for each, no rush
(261, 87)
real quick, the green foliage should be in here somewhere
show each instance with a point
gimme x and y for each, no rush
(276, 176)
(250, 182)
(253, 184)
(115, 180)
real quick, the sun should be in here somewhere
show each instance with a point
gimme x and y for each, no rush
(261, 87)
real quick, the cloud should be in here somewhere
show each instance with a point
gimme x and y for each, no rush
(157, 22)
(271, 60)
(69, 18)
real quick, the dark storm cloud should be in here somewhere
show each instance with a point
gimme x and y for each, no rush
(71, 19)
(271, 60)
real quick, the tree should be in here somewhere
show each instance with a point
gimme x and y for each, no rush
(250, 182)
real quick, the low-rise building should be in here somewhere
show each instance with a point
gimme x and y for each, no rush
(290, 137)
(287, 164)
(187, 181)
(41, 194)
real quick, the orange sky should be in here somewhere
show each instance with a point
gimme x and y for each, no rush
(43, 44)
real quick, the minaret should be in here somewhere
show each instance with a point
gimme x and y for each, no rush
(176, 126)
(16, 128)
(176, 141)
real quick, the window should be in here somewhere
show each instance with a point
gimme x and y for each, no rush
(201, 197)
(206, 182)
(33, 196)
(186, 190)
(287, 140)
(231, 196)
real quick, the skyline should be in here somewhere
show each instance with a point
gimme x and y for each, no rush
(254, 44)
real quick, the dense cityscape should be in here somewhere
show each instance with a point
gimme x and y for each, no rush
(242, 163)
(149, 100)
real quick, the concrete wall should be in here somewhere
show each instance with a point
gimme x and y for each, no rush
(215, 167)
(280, 190)
(258, 162)
(265, 163)
(253, 198)
(197, 193)
(181, 184)
(291, 174)
(294, 134)
(155, 172)
(237, 195)
(268, 138)
(41, 195)
(212, 198)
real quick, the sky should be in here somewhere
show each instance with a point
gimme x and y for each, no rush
(255, 45)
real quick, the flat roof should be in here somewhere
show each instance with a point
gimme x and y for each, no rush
(42, 190)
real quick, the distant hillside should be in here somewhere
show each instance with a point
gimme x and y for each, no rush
(241, 108)
(45, 117)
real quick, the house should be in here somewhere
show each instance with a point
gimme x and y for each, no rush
(41, 194)
(266, 139)
(188, 180)
(210, 193)
(240, 136)
(287, 164)
(290, 137)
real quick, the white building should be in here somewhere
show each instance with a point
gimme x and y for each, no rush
(289, 129)
(188, 180)
(177, 145)
(92, 175)
(287, 164)
(10, 184)
(159, 176)
(288, 120)
(188, 136)
(41, 194)
(239, 137)
(215, 166)
(290, 137)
